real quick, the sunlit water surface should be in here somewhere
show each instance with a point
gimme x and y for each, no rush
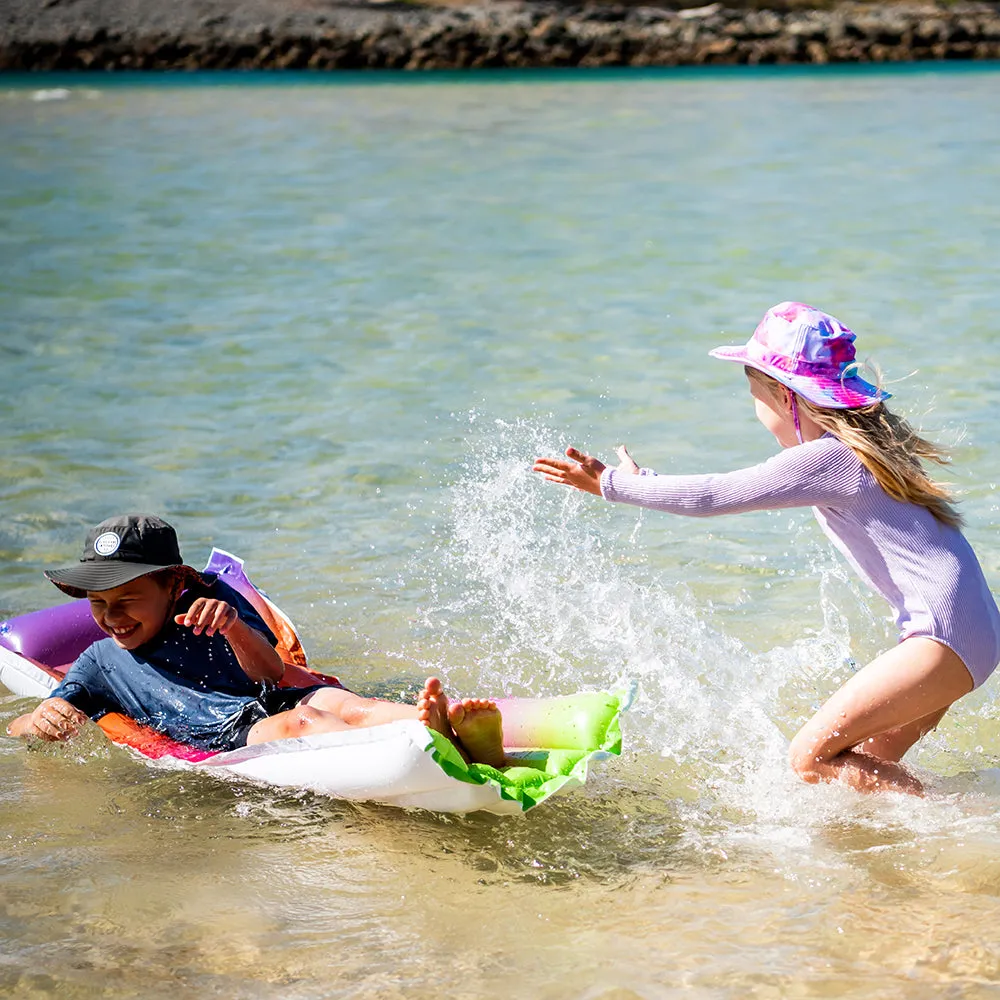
(327, 328)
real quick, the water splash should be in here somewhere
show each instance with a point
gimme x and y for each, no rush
(542, 590)
(555, 598)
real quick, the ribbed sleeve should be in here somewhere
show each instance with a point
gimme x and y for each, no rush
(822, 473)
(925, 569)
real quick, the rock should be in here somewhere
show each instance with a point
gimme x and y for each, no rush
(352, 34)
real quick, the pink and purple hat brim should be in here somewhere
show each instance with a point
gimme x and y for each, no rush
(830, 389)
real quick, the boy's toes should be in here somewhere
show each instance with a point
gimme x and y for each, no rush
(456, 711)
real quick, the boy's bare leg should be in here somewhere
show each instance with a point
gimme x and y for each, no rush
(474, 725)
(334, 710)
(302, 720)
(480, 739)
(479, 727)
(357, 711)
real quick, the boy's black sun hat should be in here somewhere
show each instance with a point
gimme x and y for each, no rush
(118, 551)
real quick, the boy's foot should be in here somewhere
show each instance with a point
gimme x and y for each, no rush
(479, 727)
(432, 708)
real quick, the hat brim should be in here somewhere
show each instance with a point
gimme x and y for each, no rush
(93, 577)
(849, 393)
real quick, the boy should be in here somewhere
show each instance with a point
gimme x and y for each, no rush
(189, 657)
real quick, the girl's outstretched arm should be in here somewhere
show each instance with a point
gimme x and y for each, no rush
(583, 472)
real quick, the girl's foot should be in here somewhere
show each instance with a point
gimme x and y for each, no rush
(478, 725)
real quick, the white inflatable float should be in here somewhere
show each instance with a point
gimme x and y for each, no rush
(551, 741)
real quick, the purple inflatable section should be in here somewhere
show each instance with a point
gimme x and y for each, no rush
(230, 568)
(52, 636)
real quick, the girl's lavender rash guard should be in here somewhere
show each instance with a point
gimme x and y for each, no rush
(925, 569)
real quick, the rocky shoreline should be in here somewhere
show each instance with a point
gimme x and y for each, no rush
(38, 35)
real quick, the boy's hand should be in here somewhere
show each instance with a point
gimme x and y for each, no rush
(582, 471)
(54, 719)
(209, 616)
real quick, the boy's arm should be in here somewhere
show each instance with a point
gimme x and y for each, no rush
(53, 720)
(258, 658)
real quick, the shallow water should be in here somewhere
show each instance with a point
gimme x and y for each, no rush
(327, 328)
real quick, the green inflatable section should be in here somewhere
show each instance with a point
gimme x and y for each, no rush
(578, 729)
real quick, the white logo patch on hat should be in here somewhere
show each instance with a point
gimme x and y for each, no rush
(107, 544)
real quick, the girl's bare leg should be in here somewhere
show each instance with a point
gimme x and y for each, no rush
(899, 695)
(894, 744)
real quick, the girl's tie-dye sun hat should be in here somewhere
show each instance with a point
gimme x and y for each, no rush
(811, 353)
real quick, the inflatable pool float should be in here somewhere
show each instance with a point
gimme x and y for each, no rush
(550, 740)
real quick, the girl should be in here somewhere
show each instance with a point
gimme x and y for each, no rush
(859, 467)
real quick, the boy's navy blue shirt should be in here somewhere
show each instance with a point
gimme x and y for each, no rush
(185, 685)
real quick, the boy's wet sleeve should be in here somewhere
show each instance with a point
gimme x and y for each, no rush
(84, 689)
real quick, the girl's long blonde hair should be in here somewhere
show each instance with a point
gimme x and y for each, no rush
(888, 447)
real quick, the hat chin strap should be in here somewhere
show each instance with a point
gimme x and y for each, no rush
(795, 417)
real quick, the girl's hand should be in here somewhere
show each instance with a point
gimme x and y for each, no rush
(209, 616)
(582, 471)
(55, 719)
(628, 464)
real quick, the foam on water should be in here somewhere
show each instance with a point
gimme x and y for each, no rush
(47, 95)
(55, 94)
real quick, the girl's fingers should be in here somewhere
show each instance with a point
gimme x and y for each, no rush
(592, 465)
(554, 472)
(582, 472)
(626, 459)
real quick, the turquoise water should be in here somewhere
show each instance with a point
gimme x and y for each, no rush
(328, 328)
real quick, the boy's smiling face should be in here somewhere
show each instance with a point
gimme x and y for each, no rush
(135, 612)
